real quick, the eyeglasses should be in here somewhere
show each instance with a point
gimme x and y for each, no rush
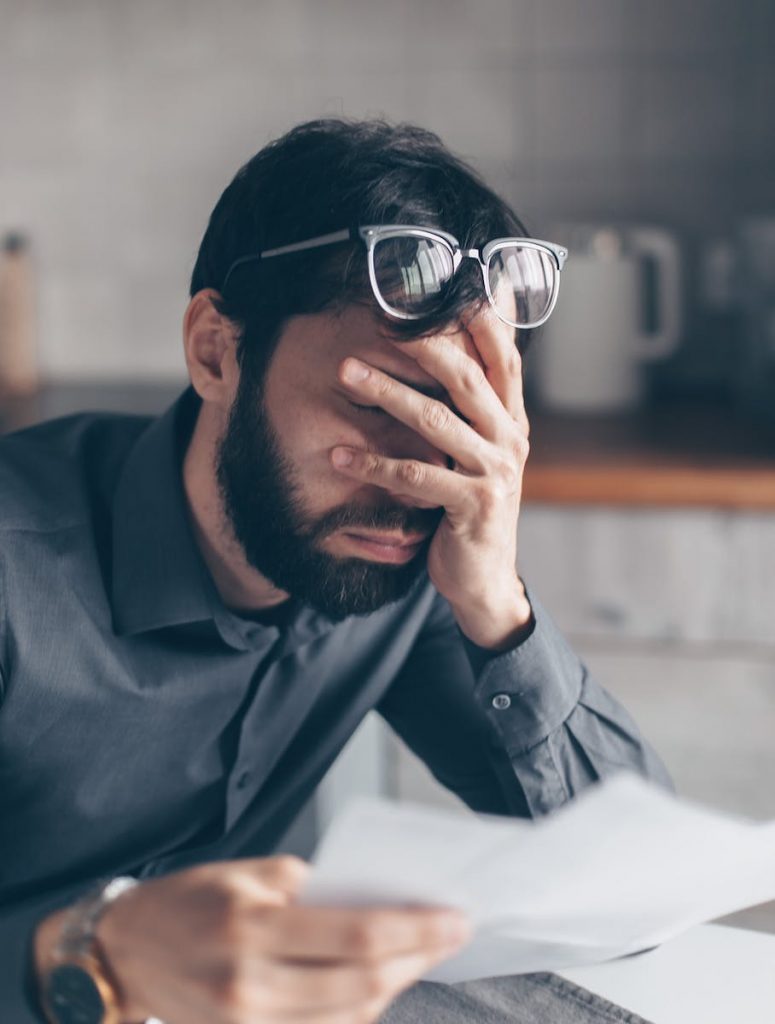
(410, 269)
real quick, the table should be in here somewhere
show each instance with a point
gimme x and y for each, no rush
(711, 974)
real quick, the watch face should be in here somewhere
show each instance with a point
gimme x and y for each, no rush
(73, 997)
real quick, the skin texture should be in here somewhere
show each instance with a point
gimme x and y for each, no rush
(266, 503)
(227, 942)
(472, 557)
(224, 943)
(401, 449)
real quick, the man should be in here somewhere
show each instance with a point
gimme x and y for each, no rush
(198, 611)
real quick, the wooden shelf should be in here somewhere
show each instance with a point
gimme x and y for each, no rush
(672, 455)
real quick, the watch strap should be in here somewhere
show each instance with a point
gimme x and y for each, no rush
(78, 930)
(78, 984)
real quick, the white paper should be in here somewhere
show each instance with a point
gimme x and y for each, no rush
(621, 868)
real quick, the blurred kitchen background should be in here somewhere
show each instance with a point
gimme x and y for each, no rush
(638, 132)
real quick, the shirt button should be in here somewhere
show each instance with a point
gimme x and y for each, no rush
(243, 780)
(501, 701)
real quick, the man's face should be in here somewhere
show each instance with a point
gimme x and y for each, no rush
(311, 531)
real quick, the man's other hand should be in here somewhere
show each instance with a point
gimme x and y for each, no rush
(228, 943)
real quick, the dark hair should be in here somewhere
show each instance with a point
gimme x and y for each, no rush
(326, 175)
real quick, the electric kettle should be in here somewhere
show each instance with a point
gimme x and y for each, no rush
(619, 305)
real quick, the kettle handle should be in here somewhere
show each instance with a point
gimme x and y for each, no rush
(658, 244)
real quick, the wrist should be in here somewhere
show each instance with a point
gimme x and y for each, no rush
(108, 935)
(74, 978)
(498, 625)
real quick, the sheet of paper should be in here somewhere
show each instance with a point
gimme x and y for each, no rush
(621, 868)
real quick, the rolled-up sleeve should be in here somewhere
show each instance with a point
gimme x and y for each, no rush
(518, 732)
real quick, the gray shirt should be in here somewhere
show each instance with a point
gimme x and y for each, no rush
(145, 727)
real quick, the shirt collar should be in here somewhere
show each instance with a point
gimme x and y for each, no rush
(159, 576)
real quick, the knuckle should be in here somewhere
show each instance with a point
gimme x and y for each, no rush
(383, 385)
(285, 868)
(521, 444)
(363, 938)
(487, 498)
(513, 363)
(226, 898)
(471, 376)
(435, 415)
(433, 346)
(372, 464)
(411, 472)
(508, 477)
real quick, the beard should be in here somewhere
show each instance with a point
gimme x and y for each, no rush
(264, 508)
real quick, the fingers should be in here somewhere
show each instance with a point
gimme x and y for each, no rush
(433, 486)
(465, 379)
(359, 933)
(272, 881)
(302, 985)
(203, 945)
(492, 445)
(431, 418)
(285, 873)
(496, 344)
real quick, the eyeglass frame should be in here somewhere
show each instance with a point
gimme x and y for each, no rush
(373, 233)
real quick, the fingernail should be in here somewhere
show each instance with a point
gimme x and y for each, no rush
(355, 371)
(341, 456)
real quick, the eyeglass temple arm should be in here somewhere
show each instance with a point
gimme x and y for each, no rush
(344, 235)
(352, 234)
(311, 243)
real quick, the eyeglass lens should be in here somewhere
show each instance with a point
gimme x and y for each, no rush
(411, 275)
(521, 281)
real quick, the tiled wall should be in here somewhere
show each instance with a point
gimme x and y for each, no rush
(123, 119)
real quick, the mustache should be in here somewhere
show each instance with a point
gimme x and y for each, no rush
(382, 517)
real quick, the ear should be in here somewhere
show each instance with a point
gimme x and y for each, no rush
(210, 343)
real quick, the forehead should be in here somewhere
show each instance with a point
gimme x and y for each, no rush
(312, 347)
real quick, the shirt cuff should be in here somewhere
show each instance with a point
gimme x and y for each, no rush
(529, 691)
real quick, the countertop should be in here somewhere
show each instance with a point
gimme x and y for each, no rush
(687, 454)
(671, 455)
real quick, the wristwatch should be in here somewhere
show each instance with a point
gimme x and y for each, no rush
(77, 987)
